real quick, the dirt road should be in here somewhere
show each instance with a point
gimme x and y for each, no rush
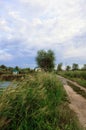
(77, 102)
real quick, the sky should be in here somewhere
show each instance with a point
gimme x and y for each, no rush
(27, 26)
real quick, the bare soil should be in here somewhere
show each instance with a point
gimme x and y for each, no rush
(77, 102)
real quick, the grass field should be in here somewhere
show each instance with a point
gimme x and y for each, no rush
(37, 103)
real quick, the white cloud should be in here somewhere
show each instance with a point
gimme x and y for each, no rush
(63, 21)
(5, 56)
(14, 14)
(4, 26)
(42, 3)
(59, 22)
(73, 52)
(50, 23)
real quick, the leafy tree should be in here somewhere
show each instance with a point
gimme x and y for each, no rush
(75, 66)
(59, 67)
(45, 59)
(68, 67)
(84, 67)
(17, 68)
(3, 67)
(10, 69)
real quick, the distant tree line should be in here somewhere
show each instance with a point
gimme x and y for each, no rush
(9, 70)
(73, 67)
(45, 61)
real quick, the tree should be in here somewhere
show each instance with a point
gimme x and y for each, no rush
(84, 67)
(10, 70)
(3, 67)
(16, 68)
(45, 60)
(59, 67)
(68, 67)
(75, 66)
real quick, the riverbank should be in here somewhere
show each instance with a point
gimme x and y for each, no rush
(10, 77)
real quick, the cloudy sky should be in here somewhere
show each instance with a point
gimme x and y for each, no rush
(27, 26)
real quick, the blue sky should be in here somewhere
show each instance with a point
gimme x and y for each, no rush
(27, 26)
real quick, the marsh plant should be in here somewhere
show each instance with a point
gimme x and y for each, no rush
(39, 102)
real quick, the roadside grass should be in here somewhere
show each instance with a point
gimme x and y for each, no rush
(38, 103)
(77, 89)
(81, 82)
(77, 76)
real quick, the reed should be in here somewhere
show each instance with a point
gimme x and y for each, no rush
(39, 102)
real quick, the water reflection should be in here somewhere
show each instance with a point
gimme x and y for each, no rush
(4, 84)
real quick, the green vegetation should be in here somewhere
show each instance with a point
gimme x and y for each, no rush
(4, 70)
(37, 103)
(81, 82)
(45, 60)
(75, 67)
(84, 67)
(1, 90)
(77, 89)
(10, 77)
(77, 76)
(59, 67)
(68, 68)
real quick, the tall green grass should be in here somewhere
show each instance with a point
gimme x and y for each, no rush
(74, 74)
(1, 90)
(37, 103)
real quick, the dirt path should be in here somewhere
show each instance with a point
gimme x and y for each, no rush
(65, 80)
(77, 102)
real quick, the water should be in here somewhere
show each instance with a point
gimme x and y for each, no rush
(4, 84)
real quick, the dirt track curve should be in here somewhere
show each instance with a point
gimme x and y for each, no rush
(77, 102)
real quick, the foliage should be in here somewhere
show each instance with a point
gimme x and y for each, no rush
(9, 70)
(37, 103)
(82, 82)
(59, 67)
(78, 76)
(68, 67)
(3, 67)
(75, 66)
(84, 67)
(77, 89)
(17, 68)
(74, 74)
(45, 60)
